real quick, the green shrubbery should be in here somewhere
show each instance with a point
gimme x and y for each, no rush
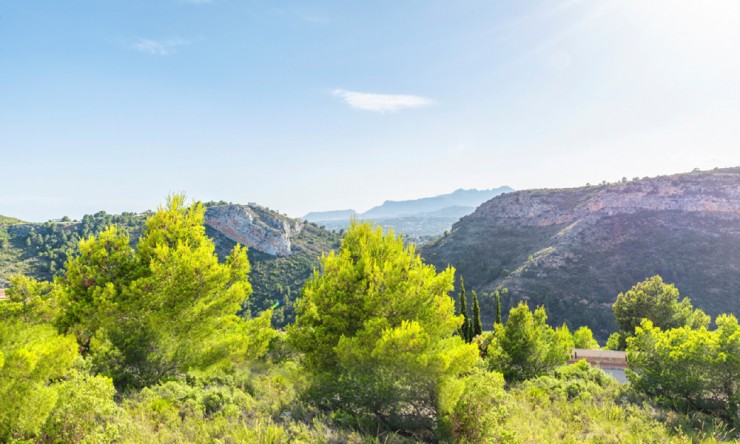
(143, 345)
(689, 369)
(526, 346)
(377, 331)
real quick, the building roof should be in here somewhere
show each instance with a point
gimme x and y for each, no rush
(2, 294)
(600, 358)
(598, 354)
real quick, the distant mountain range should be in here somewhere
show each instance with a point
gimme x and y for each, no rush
(573, 250)
(425, 217)
(320, 216)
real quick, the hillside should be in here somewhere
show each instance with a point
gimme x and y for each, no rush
(283, 251)
(9, 220)
(418, 219)
(574, 250)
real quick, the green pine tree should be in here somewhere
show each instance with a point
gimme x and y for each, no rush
(372, 347)
(498, 307)
(476, 324)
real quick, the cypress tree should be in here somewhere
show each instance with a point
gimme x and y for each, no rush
(498, 307)
(465, 327)
(477, 325)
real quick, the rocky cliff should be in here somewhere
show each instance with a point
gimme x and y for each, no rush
(574, 250)
(255, 227)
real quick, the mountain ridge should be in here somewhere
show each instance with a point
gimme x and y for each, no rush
(575, 249)
(390, 208)
(330, 215)
(459, 197)
(417, 218)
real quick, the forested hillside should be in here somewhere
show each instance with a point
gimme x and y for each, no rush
(574, 250)
(41, 250)
(9, 220)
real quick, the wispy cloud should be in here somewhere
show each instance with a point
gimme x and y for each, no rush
(159, 47)
(381, 102)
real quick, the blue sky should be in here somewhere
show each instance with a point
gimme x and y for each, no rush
(307, 106)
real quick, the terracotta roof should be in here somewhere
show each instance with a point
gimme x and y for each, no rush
(2, 294)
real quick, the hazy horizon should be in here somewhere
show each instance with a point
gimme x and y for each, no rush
(190, 198)
(318, 106)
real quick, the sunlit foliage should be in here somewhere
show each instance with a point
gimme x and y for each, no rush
(377, 331)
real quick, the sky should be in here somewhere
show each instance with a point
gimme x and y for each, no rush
(324, 105)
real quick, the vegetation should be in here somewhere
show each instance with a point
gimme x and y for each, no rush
(472, 326)
(42, 250)
(689, 369)
(277, 281)
(377, 333)
(465, 329)
(526, 346)
(578, 403)
(166, 307)
(549, 250)
(142, 343)
(476, 323)
(584, 338)
(497, 295)
(9, 220)
(655, 300)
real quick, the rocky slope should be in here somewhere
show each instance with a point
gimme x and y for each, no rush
(574, 250)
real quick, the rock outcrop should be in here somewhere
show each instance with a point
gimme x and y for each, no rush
(715, 192)
(255, 227)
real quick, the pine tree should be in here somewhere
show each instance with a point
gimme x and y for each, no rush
(476, 324)
(527, 347)
(372, 347)
(465, 327)
(498, 307)
(163, 308)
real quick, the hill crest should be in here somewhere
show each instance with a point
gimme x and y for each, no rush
(575, 249)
